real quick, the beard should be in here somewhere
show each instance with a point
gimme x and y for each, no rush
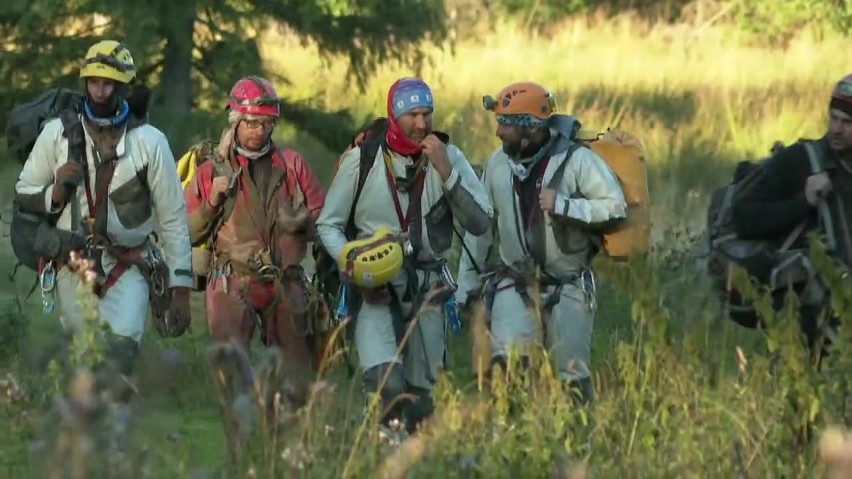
(512, 149)
(524, 147)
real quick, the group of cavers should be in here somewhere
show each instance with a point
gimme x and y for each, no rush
(236, 218)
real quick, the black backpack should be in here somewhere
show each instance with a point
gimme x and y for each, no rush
(327, 274)
(27, 120)
(26, 227)
(771, 262)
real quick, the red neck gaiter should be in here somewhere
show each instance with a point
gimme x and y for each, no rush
(397, 140)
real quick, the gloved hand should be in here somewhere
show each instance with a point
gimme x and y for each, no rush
(179, 317)
(68, 177)
(817, 188)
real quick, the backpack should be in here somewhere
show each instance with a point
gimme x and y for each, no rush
(27, 120)
(326, 271)
(625, 156)
(772, 262)
(187, 165)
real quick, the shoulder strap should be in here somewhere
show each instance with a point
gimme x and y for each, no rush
(814, 158)
(72, 130)
(224, 168)
(560, 170)
(369, 150)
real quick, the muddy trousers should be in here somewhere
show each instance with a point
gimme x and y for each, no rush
(237, 306)
(567, 332)
(414, 372)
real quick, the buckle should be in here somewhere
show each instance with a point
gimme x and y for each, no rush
(268, 272)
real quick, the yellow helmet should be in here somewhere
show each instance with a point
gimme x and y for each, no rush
(108, 59)
(372, 262)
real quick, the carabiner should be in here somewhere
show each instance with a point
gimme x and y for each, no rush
(342, 302)
(47, 278)
(447, 277)
(47, 283)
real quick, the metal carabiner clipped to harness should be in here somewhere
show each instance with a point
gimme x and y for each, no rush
(589, 289)
(450, 306)
(47, 283)
(158, 281)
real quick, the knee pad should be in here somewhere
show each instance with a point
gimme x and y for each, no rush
(503, 362)
(498, 360)
(420, 409)
(581, 390)
(394, 384)
(122, 353)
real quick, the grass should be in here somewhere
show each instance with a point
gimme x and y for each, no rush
(680, 392)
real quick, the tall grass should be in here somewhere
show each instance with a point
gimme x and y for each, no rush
(680, 392)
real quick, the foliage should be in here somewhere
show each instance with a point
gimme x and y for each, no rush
(680, 392)
(194, 50)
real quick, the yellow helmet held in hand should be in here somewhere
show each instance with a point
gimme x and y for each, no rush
(372, 262)
(109, 59)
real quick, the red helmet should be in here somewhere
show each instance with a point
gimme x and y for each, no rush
(254, 95)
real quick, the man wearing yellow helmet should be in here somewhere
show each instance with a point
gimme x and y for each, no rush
(110, 180)
(416, 185)
(559, 193)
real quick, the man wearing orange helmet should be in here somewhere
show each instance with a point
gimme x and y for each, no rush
(549, 193)
(417, 184)
(255, 204)
(789, 193)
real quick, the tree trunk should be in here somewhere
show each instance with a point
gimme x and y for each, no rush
(172, 109)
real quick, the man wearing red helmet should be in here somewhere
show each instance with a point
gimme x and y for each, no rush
(789, 193)
(418, 183)
(257, 204)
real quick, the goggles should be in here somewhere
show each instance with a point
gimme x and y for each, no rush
(522, 121)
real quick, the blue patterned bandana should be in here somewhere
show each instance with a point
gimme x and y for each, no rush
(410, 94)
(523, 121)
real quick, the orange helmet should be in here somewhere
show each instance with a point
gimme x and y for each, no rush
(524, 99)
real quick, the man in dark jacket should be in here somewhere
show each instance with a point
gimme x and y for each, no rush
(789, 192)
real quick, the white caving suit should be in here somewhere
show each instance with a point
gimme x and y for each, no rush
(461, 198)
(589, 194)
(145, 196)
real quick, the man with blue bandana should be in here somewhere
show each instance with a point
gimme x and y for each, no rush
(418, 185)
(550, 195)
(109, 199)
